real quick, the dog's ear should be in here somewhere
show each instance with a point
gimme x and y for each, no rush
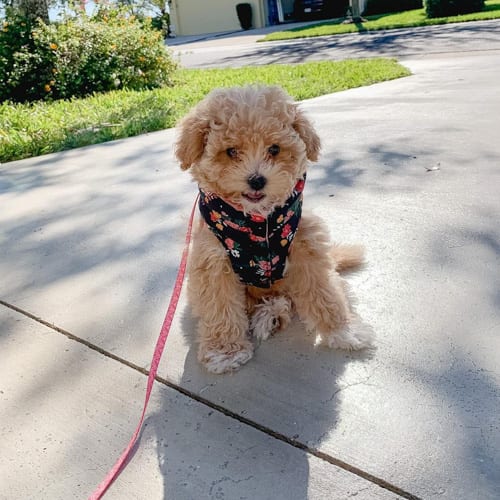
(193, 130)
(307, 133)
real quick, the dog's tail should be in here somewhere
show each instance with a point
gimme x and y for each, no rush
(347, 256)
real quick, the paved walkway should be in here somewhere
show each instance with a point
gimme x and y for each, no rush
(90, 241)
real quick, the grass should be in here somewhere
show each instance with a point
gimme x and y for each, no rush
(28, 130)
(407, 19)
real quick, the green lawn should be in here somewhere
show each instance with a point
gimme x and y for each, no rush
(405, 19)
(28, 130)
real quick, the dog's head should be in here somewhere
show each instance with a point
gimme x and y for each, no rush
(248, 145)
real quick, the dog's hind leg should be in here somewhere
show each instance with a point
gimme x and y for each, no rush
(319, 293)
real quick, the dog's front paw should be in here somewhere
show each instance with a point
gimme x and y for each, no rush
(225, 358)
(354, 336)
(273, 314)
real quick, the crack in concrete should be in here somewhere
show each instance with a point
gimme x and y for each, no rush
(225, 479)
(255, 425)
(347, 386)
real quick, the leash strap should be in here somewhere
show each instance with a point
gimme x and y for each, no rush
(160, 344)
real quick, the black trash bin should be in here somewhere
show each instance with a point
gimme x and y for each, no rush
(244, 12)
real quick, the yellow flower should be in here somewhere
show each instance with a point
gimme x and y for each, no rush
(53, 46)
(54, 70)
(142, 58)
(113, 47)
(47, 88)
(52, 82)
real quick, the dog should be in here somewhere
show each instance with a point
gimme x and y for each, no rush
(256, 260)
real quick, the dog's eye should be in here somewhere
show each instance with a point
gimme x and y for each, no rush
(274, 150)
(231, 152)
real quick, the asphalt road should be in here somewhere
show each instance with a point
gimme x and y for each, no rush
(240, 50)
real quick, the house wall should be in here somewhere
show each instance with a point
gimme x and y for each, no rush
(194, 17)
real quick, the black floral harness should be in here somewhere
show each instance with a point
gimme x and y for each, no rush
(257, 246)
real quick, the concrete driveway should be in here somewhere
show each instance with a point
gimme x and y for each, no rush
(241, 49)
(90, 242)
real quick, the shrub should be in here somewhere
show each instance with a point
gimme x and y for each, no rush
(444, 8)
(161, 22)
(81, 55)
(19, 60)
(385, 6)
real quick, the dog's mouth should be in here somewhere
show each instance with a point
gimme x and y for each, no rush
(254, 196)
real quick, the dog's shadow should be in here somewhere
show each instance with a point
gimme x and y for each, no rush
(244, 432)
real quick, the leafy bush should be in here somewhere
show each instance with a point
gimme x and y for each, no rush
(81, 55)
(17, 57)
(385, 6)
(161, 22)
(444, 8)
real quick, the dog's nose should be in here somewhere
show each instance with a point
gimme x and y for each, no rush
(257, 182)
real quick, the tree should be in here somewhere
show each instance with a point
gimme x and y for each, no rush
(142, 6)
(157, 9)
(31, 9)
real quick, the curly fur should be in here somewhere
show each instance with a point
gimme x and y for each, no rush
(224, 141)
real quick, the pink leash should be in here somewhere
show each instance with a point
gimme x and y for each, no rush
(160, 344)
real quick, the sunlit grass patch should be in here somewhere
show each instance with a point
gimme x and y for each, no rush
(44, 127)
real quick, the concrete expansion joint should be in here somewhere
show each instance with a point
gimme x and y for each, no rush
(292, 441)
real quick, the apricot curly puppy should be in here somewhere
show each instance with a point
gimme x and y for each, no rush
(255, 260)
